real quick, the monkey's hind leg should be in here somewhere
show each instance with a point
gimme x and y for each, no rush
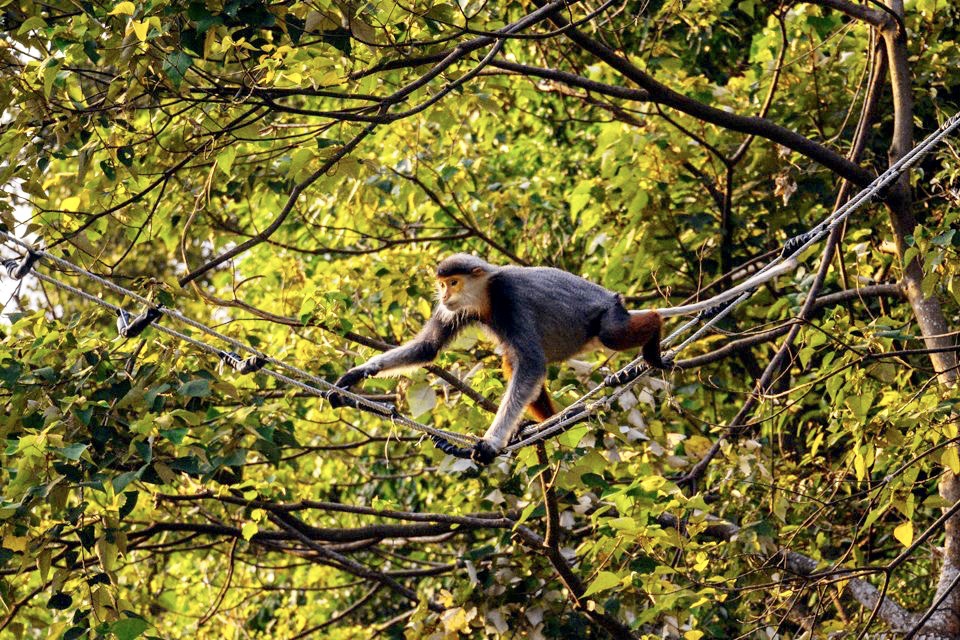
(621, 330)
(542, 407)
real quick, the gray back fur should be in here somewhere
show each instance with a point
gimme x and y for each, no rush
(566, 308)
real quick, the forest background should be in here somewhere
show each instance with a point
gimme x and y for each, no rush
(290, 173)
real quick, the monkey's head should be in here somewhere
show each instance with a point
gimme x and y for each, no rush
(462, 283)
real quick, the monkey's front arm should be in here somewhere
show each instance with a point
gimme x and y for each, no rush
(434, 336)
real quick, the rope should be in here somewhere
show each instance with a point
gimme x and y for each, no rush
(320, 388)
(623, 379)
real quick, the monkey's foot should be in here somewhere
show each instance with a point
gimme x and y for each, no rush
(451, 449)
(483, 453)
(622, 377)
(667, 364)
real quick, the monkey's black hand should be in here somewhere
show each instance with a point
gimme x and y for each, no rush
(346, 381)
(483, 453)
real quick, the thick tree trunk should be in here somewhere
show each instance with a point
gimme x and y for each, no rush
(945, 621)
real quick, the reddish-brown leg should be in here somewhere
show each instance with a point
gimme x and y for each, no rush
(542, 407)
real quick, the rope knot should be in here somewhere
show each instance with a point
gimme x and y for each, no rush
(16, 269)
(129, 327)
(241, 365)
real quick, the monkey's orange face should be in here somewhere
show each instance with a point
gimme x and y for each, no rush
(450, 289)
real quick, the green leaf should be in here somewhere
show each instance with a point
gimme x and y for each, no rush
(422, 399)
(573, 437)
(225, 159)
(580, 196)
(129, 628)
(60, 601)
(299, 160)
(604, 580)
(175, 65)
(338, 38)
(30, 24)
(324, 143)
(73, 451)
(132, 497)
(125, 155)
(90, 48)
(107, 167)
(204, 19)
(120, 482)
(199, 388)
(175, 435)
(74, 632)
(49, 73)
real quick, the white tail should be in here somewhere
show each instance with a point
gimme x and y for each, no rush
(757, 279)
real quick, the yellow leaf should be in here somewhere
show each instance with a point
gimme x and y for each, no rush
(108, 553)
(859, 465)
(49, 73)
(124, 9)
(456, 620)
(140, 28)
(15, 543)
(249, 530)
(70, 204)
(43, 564)
(951, 459)
(652, 483)
(904, 533)
(696, 447)
(446, 598)
(100, 599)
(421, 398)
(693, 634)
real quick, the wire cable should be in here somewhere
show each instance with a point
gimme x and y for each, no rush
(581, 409)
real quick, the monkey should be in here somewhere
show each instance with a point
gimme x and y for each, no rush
(539, 315)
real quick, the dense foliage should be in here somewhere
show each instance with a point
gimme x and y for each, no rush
(290, 173)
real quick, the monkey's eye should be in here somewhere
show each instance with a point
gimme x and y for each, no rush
(453, 283)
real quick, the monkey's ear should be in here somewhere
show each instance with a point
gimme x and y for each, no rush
(477, 271)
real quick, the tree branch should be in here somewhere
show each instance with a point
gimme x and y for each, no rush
(761, 127)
